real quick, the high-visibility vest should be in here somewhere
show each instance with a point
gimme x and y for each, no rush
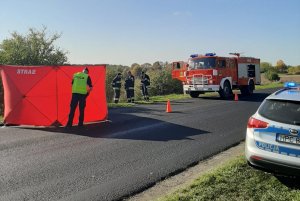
(79, 83)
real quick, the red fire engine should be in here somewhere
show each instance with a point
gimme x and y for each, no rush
(209, 73)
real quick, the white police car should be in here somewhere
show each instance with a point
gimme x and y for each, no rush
(273, 133)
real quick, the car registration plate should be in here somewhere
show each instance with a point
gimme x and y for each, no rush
(288, 139)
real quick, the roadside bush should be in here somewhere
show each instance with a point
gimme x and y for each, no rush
(162, 83)
(265, 66)
(272, 75)
(294, 70)
(137, 89)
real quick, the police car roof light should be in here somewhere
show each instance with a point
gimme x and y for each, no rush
(210, 54)
(291, 85)
(194, 55)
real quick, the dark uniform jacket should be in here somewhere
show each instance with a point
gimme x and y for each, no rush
(145, 80)
(116, 83)
(129, 82)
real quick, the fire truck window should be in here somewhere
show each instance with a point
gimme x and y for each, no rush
(199, 65)
(203, 63)
(251, 70)
(208, 65)
(178, 65)
(222, 63)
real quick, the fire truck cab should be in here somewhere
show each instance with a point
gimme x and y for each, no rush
(211, 73)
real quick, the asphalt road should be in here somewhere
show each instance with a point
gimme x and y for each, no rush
(109, 161)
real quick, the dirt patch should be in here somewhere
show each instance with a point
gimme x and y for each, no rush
(185, 178)
(286, 78)
(264, 80)
(283, 78)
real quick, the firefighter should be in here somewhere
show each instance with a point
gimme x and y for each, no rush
(79, 94)
(116, 84)
(129, 87)
(145, 84)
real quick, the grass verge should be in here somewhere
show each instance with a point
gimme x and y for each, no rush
(235, 181)
(269, 85)
(114, 105)
(1, 118)
(153, 99)
(157, 99)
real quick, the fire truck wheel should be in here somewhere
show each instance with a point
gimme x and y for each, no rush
(194, 94)
(226, 92)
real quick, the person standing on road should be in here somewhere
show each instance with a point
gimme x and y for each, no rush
(145, 84)
(80, 83)
(129, 87)
(116, 84)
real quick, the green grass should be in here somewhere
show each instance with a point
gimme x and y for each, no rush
(114, 105)
(269, 85)
(235, 181)
(1, 118)
(153, 99)
(156, 99)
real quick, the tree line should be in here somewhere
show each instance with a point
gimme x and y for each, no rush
(271, 72)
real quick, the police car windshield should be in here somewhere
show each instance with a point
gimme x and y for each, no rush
(203, 63)
(282, 111)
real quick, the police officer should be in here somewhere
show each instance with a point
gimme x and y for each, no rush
(129, 87)
(145, 84)
(116, 84)
(79, 93)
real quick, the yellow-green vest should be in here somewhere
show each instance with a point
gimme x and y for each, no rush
(79, 83)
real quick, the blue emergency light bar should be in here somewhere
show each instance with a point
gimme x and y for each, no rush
(210, 54)
(194, 55)
(291, 85)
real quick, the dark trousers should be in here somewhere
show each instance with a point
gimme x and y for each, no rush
(116, 94)
(77, 99)
(130, 95)
(144, 90)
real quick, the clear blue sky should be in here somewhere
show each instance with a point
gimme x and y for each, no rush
(129, 31)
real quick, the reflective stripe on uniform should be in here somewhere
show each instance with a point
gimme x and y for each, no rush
(116, 99)
(116, 88)
(130, 87)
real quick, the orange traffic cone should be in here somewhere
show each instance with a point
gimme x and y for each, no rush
(169, 109)
(236, 97)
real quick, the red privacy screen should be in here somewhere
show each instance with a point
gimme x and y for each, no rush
(41, 95)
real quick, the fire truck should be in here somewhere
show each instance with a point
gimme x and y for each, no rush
(211, 73)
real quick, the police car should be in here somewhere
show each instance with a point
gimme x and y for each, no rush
(273, 133)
